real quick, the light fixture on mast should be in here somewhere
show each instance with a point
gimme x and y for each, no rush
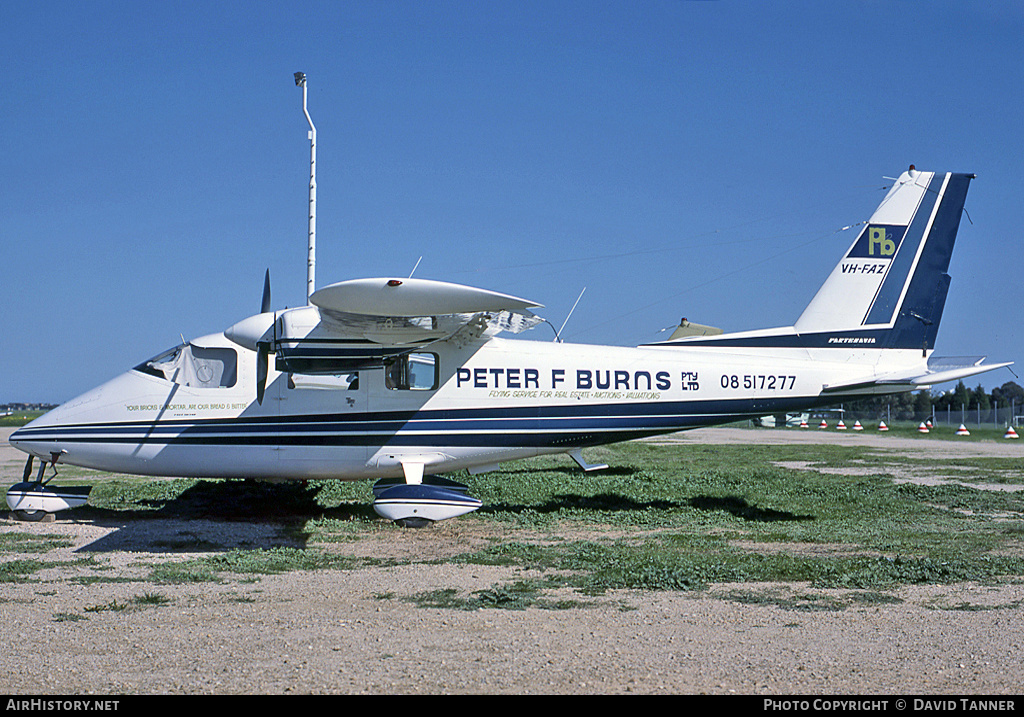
(300, 81)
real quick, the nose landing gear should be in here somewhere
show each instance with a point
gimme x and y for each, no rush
(34, 500)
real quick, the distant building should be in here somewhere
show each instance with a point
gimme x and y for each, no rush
(6, 409)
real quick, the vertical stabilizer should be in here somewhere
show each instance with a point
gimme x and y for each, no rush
(891, 284)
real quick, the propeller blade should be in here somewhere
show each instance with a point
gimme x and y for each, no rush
(262, 368)
(266, 293)
(262, 347)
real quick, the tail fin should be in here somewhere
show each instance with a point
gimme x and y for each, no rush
(890, 288)
(887, 292)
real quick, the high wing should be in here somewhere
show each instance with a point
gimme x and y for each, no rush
(404, 312)
(413, 297)
(358, 324)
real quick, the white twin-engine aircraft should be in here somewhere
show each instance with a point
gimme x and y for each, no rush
(404, 379)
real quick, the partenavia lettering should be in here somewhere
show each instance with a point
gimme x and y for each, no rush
(852, 340)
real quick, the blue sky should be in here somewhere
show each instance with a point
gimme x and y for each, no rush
(674, 158)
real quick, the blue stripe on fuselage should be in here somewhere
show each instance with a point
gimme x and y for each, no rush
(525, 425)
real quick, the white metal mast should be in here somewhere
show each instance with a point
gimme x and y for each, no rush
(300, 80)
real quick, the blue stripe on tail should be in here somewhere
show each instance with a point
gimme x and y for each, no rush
(889, 293)
(917, 324)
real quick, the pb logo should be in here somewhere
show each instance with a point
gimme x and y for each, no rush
(879, 244)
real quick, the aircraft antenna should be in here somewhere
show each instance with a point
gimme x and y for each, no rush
(300, 81)
(558, 335)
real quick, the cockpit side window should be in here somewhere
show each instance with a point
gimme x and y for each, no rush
(412, 372)
(195, 366)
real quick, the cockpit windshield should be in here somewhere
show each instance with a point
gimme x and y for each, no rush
(195, 366)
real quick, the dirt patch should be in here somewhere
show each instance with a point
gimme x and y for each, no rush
(103, 627)
(919, 475)
(98, 624)
(918, 447)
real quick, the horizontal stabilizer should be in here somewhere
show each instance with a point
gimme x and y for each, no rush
(688, 328)
(939, 371)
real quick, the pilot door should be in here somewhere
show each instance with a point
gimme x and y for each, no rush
(321, 423)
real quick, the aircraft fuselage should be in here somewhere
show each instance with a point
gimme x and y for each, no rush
(487, 402)
(385, 377)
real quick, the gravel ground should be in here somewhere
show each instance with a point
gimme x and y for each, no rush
(353, 631)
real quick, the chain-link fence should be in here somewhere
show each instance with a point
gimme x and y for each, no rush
(998, 416)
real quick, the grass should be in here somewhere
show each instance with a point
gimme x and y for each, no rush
(134, 603)
(683, 518)
(20, 418)
(271, 561)
(678, 518)
(30, 543)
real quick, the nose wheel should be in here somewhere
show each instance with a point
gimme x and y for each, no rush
(31, 516)
(35, 500)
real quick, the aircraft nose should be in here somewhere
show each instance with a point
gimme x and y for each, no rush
(31, 438)
(50, 433)
(17, 440)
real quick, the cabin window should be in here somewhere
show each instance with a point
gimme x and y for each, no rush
(412, 372)
(195, 366)
(337, 382)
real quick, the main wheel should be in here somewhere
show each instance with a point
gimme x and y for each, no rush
(413, 522)
(31, 516)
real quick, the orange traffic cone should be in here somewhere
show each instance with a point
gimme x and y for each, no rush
(882, 426)
(1010, 433)
(962, 431)
(922, 428)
